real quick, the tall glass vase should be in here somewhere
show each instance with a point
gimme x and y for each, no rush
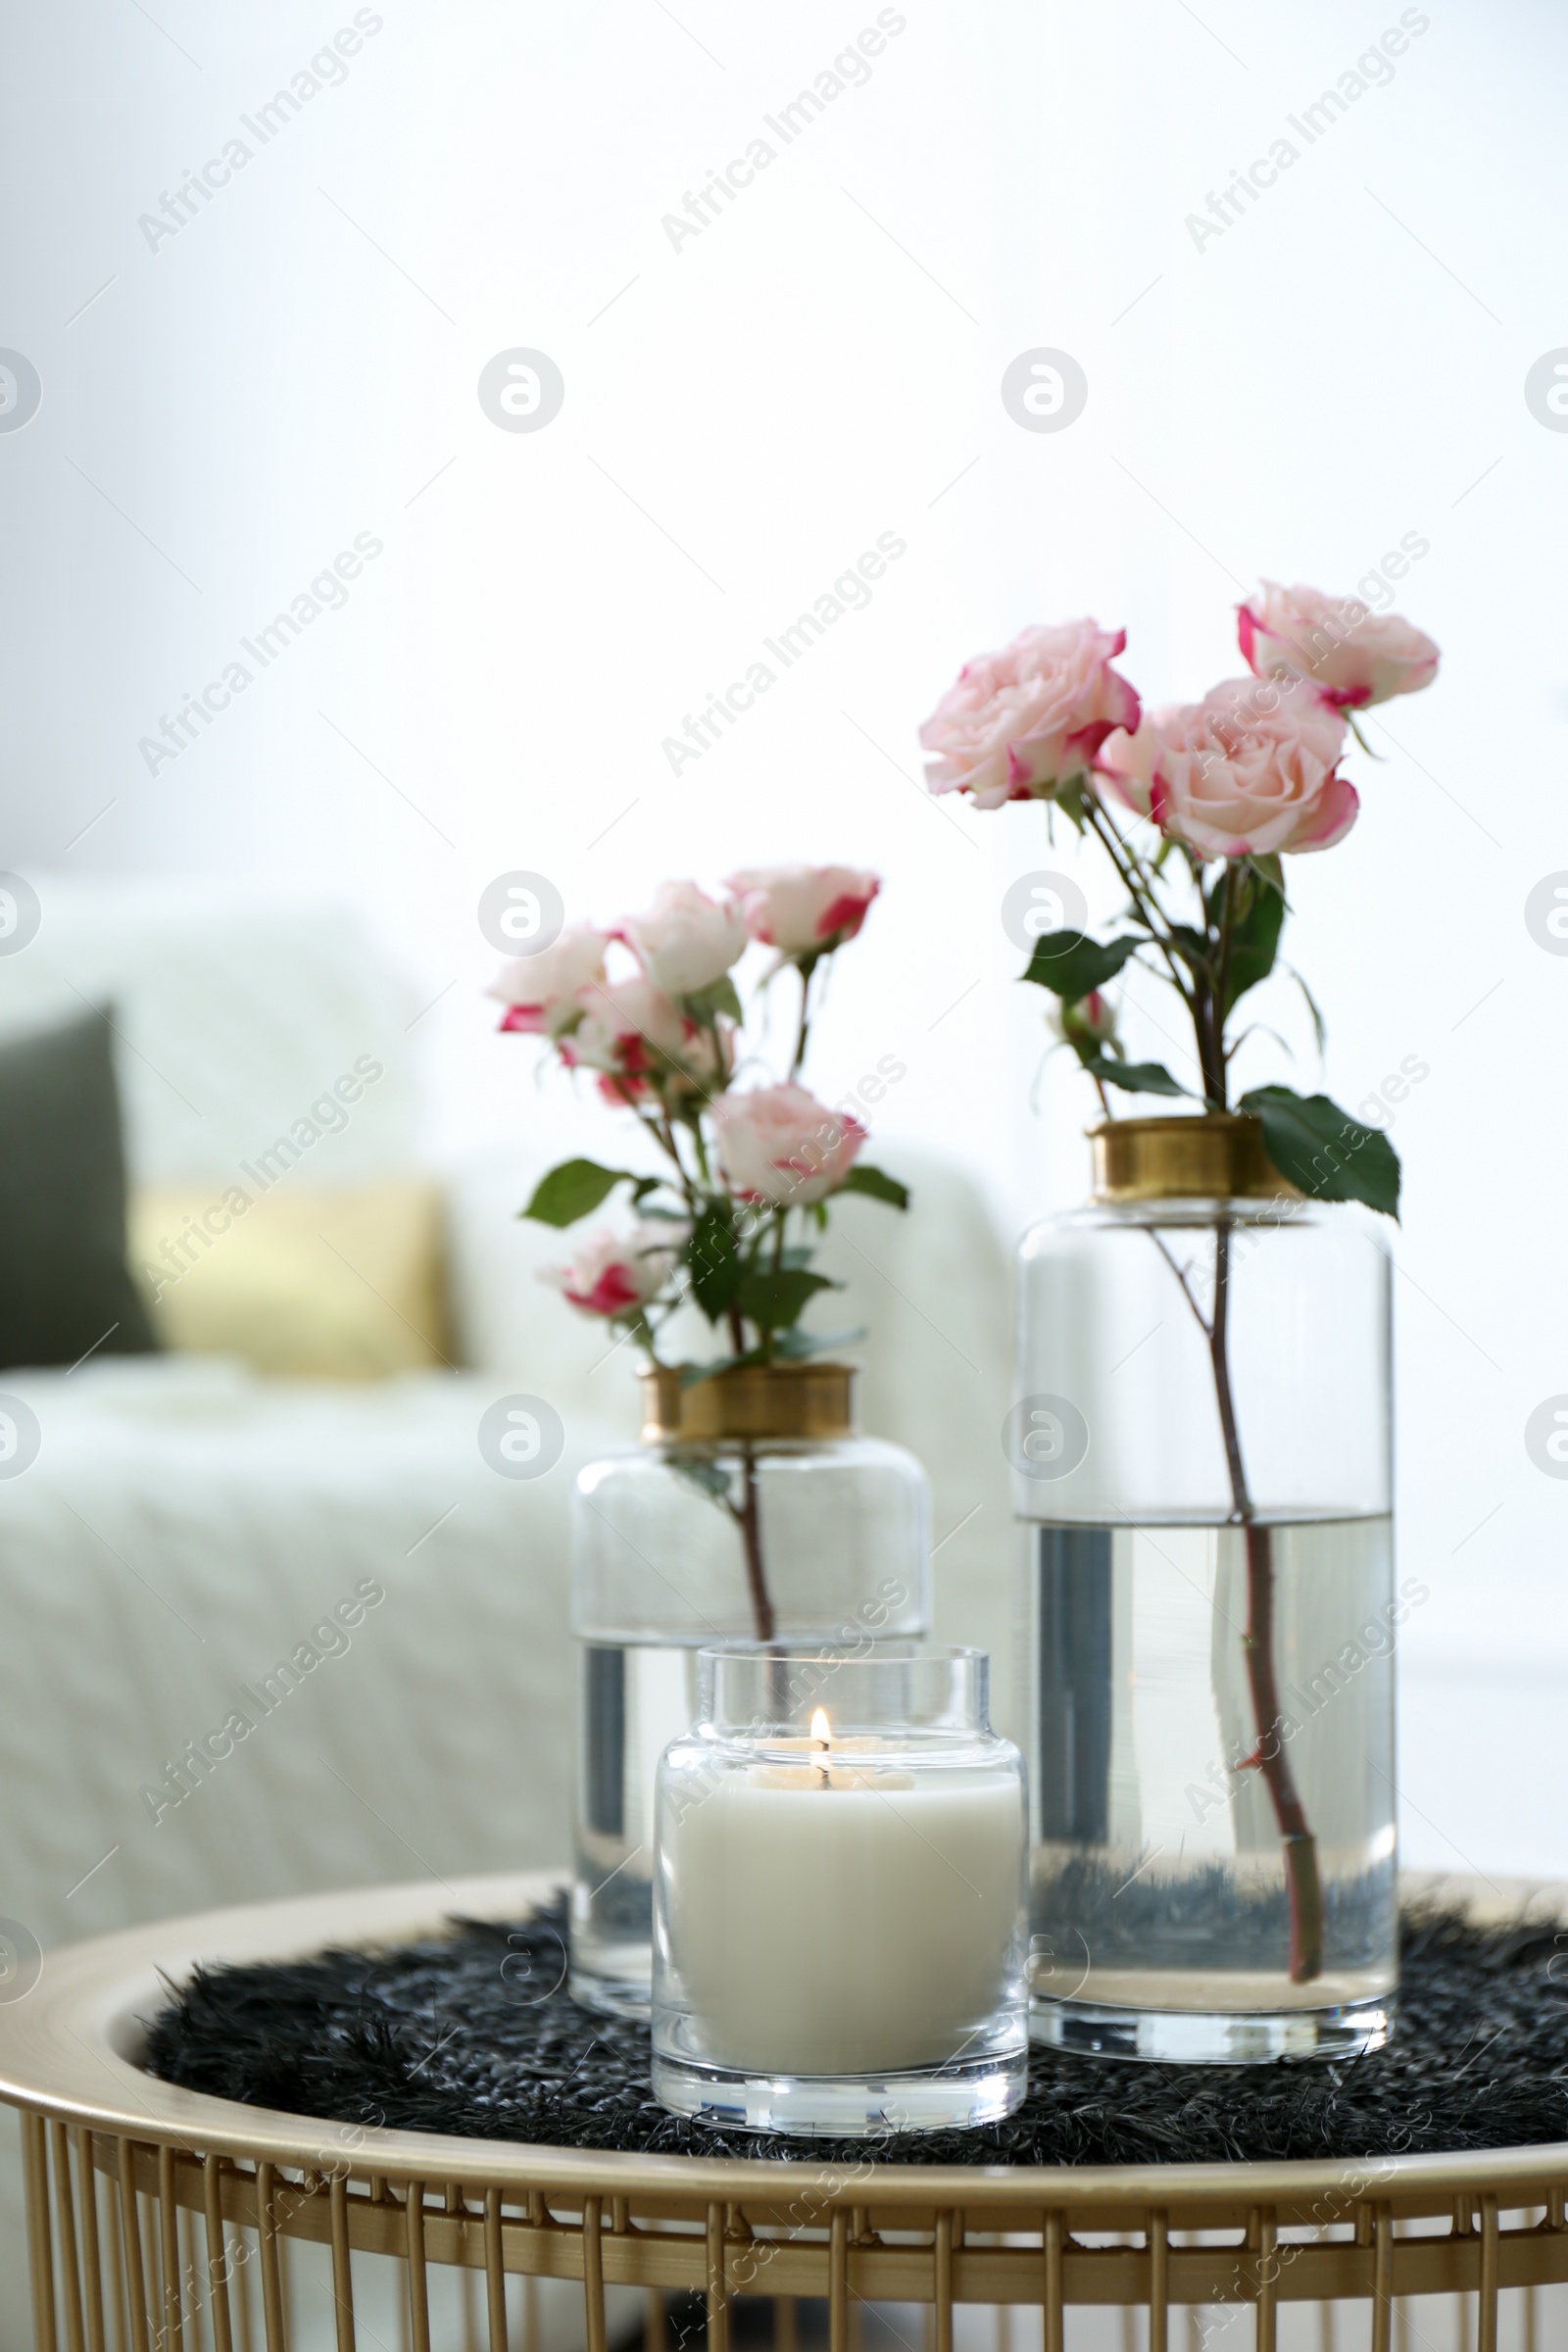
(751, 1511)
(1200, 1450)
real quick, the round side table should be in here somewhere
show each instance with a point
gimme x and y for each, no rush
(159, 2219)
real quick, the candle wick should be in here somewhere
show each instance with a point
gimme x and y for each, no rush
(822, 1768)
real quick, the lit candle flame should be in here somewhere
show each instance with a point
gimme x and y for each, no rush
(822, 1737)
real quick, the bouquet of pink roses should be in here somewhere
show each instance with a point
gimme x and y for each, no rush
(1226, 788)
(730, 1220)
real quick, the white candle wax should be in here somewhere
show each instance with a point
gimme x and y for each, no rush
(854, 1922)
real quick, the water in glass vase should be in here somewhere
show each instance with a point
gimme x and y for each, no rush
(1212, 1869)
(633, 1700)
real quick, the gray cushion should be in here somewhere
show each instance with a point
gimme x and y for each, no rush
(64, 1289)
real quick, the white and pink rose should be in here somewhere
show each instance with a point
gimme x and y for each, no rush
(617, 1274)
(542, 992)
(1250, 770)
(1352, 656)
(631, 1032)
(802, 910)
(780, 1144)
(1019, 724)
(686, 941)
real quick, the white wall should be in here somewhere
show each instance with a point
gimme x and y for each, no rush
(743, 416)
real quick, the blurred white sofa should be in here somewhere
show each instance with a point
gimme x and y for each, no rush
(187, 1524)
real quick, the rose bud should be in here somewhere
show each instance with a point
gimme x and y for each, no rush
(1091, 1021)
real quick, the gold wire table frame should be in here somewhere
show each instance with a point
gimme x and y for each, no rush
(159, 2219)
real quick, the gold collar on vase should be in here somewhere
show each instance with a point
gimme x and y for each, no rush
(753, 1400)
(1203, 1157)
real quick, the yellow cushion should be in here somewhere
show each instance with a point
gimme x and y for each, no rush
(304, 1282)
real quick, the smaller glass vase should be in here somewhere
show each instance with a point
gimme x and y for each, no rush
(752, 1510)
(839, 1896)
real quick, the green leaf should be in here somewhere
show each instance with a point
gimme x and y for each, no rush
(705, 1006)
(772, 1300)
(1262, 1029)
(795, 1346)
(1133, 1077)
(714, 1258)
(1070, 800)
(1192, 946)
(1319, 1025)
(693, 1375)
(573, 1189)
(709, 1477)
(861, 1179)
(1325, 1153)
(1255, 935)
(1072, 965)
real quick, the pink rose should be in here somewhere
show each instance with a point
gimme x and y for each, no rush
(613, 1274)
(687, 942)
(1249, 769)
(804, 909)
(1352, 656)
(780, 1144)
(1019, 724)
(540, 991)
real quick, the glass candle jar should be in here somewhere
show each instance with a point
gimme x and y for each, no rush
(839, 1884)
(753, 1510)
(1201, 1457)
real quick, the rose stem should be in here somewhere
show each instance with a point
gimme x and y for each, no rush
(749, 1520)
(747, 1516)
(804, 1032)
(1300, 1846)
(1210, 1001)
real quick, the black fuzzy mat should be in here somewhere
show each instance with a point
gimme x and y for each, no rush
(475, 2034)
